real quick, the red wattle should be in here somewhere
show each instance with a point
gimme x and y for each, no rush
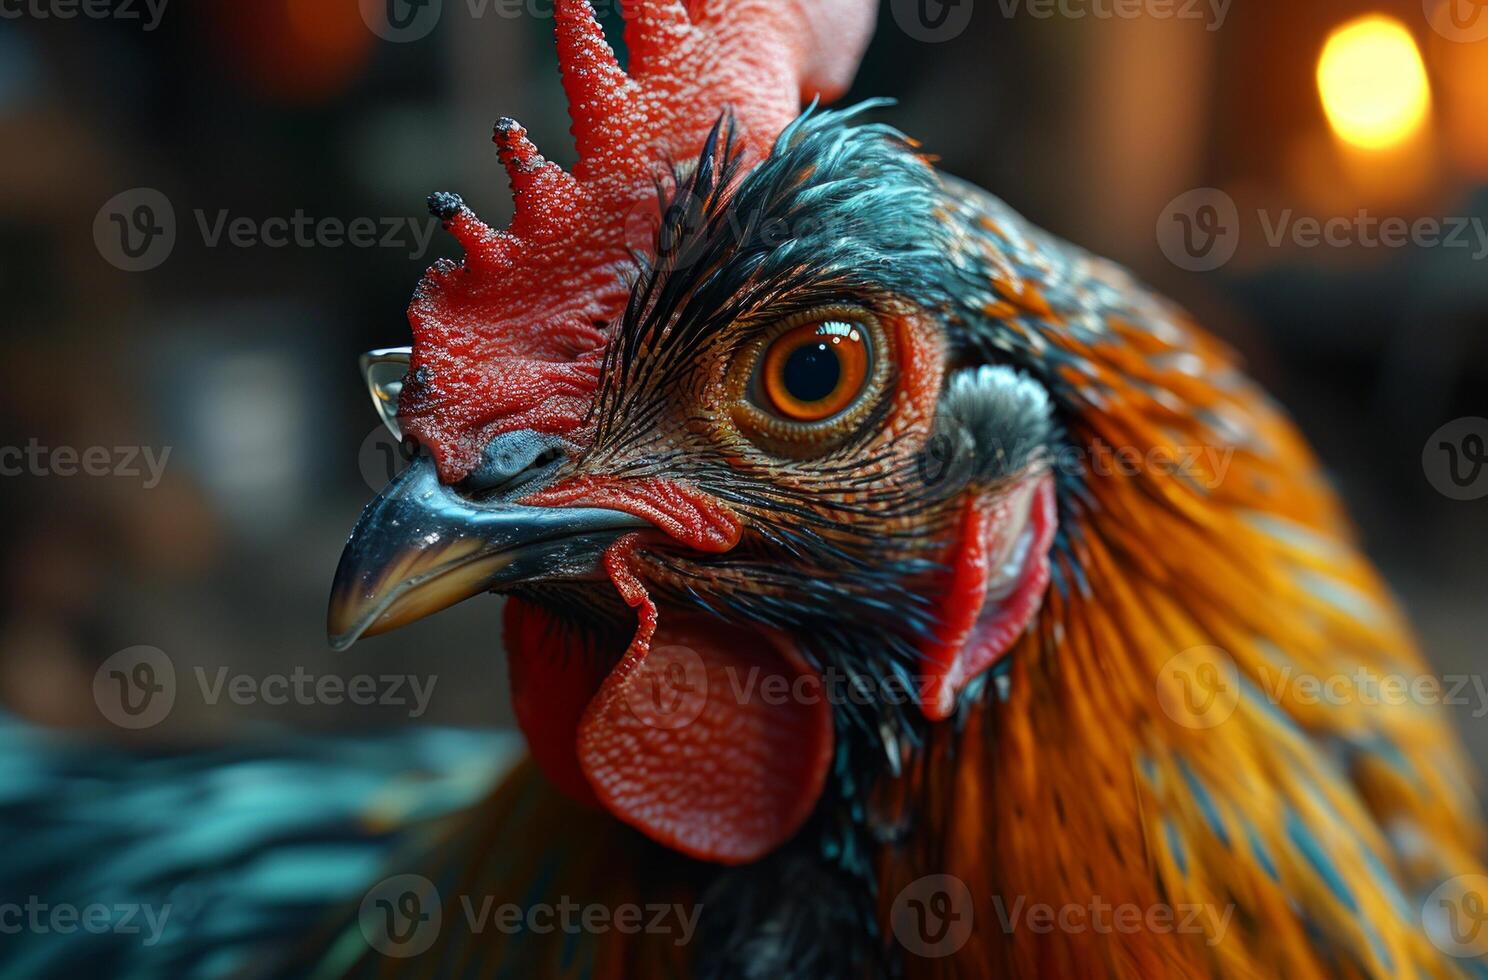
(974, 635)
(554, 676)
(711, 739)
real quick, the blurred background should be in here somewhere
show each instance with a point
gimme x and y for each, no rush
(137, 320)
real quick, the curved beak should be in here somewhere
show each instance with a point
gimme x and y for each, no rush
(421, 547)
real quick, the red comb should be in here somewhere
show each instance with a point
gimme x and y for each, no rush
(512, 337)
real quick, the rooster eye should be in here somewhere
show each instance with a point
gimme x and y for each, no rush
(816, 370)
(808, 378)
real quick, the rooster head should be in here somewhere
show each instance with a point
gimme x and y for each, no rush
(756, 501)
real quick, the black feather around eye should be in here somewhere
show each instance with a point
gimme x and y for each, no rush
(993, 423)
(840, 213)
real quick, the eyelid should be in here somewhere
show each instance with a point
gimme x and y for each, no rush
(775, 434)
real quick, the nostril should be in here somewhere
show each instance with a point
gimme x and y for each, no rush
(515, 461)
(548, 456)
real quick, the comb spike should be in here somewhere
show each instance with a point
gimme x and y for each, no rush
(538, 186)
(657, 33)
(598, 90)
(483, 245)
(519, 155)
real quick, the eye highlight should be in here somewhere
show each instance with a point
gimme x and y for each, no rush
(804, 383)
(816, 370)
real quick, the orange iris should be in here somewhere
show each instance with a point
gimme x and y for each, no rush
(816, 370)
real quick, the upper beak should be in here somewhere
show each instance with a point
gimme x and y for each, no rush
(421, 547)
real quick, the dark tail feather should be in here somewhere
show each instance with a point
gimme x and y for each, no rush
(209, 864)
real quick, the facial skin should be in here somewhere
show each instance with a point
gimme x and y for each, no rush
(827, 500)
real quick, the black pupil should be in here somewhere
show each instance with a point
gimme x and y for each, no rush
(812, 371)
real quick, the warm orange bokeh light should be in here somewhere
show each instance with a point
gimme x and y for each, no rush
(1373, 83)
(1463, 96)
(295, 51)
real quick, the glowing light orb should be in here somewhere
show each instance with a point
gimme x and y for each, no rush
(1373, 83)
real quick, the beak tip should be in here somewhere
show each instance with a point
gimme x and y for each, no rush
(421, 547)
(341, 628)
